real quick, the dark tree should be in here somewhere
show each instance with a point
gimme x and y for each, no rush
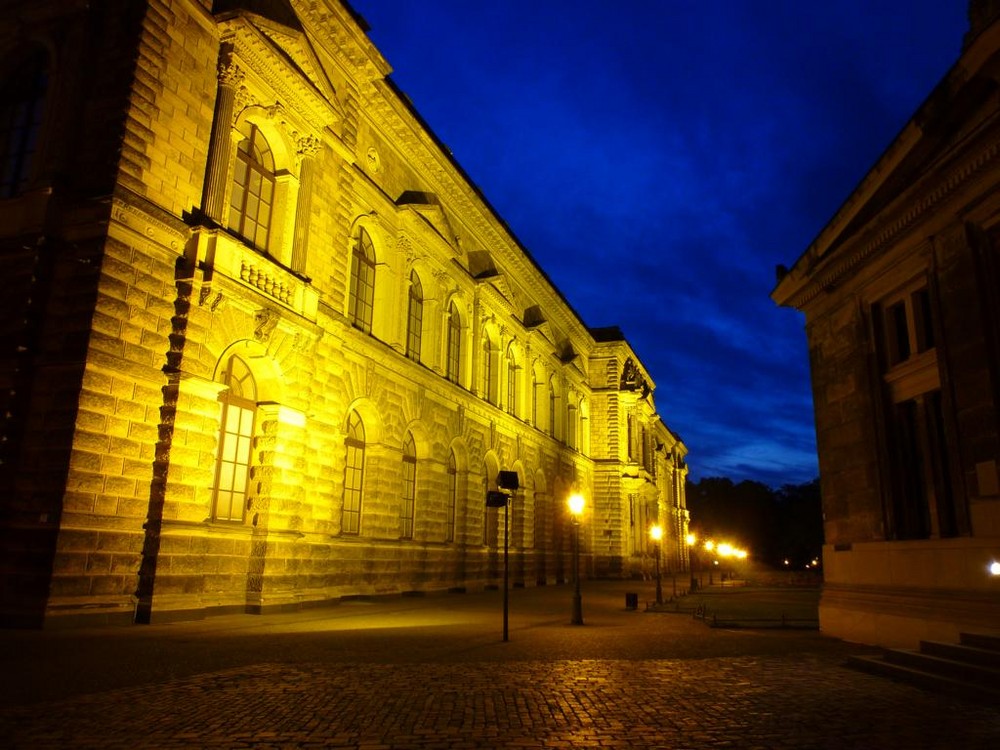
(773, 525)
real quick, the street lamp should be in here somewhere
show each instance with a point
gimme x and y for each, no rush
(576, 509)
(656, 532)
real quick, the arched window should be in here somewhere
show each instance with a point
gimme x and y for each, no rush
(253, 188)
(409, 488)
(512, 382)
(414, 317)
(571, 426)
(552, 408)
(449, 529)
(354, 476)
(232, 467)
(22, 105)
(362, 303)
(534, 399)
(489, 371)
(454, 361)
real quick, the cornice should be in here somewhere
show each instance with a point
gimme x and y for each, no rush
(887, 227)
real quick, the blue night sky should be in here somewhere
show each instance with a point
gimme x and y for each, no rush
(659, 158)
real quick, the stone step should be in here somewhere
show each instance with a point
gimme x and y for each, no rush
(980, 640)
(986, 657)
(971, 672)
(931, 681)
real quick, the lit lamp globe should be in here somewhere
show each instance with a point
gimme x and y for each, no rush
(576, 503)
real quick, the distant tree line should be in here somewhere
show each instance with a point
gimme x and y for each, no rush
(773, 525)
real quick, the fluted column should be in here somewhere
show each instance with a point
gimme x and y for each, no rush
(217, 173)
(308, 148)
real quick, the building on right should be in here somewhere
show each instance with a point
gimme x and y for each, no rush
(901, 295)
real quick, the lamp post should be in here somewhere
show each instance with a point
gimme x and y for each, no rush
(576, 503)
(656, 532)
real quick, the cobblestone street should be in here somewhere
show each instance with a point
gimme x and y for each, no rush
(432, 672)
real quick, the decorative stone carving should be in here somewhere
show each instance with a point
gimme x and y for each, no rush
(265, 321)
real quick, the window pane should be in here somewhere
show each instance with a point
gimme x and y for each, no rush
(21, 107)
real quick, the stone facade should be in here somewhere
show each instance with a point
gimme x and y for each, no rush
(263, 343)
(901, 293)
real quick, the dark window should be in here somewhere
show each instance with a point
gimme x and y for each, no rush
(511, 384)
(22, 104)
(414, 318)
(552, 409)
(489, 373)
(454, 344)
(921, 501)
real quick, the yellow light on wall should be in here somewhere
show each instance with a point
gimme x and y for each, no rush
(576, 503)
(691, 539)
(656, 532)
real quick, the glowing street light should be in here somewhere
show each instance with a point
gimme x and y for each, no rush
(576, 504)
(656, 532)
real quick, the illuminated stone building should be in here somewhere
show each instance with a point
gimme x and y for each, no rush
(263, 344)
(901, 293)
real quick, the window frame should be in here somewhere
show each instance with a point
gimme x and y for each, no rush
(414, 317)
(407, 509)
(22, 119)
(453, 358)
(361, 301)
(240, 396)
(254, 171)
(354, 476)
(452, 508)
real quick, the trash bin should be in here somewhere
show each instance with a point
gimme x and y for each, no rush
(631, 601)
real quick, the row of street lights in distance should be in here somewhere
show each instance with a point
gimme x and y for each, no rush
(716, 549)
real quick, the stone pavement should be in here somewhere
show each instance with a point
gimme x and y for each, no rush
(432, 672)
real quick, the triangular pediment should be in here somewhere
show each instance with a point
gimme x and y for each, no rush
(280, 33)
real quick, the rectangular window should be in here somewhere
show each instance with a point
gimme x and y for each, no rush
(921, 503)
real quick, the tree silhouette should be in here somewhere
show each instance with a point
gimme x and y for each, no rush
(773, 525)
